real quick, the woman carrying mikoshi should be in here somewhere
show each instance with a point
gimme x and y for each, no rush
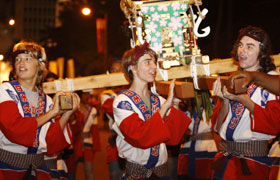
(145, 122)
(27, 126)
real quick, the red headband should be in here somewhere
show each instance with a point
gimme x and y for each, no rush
(139, 51)
(246, 32)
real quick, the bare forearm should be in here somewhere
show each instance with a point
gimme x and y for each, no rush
(41, 120)
(163, 110)
(249, 104)
(269, 82)
(64, 119)
(222, 114)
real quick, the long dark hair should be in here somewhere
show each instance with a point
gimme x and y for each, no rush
(262, 37)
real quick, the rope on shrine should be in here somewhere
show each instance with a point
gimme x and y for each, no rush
(154, 88)
(194, 66)
(57, 85)
(70, 85)
(164, 75)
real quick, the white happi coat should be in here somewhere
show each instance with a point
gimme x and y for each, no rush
(5, 143)
(127, 151)
(242, 132)
(208, 145)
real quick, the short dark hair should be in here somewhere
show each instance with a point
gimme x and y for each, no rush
(51, 75)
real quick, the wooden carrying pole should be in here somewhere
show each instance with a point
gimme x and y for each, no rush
(117, 79)
(185, 90)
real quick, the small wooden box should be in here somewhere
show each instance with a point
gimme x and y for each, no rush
(183, 90)
(207, 83)
(66, 101)
(237, 87)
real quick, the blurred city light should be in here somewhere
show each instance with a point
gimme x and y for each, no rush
(11, 22)
(1, 57)
(86, 11)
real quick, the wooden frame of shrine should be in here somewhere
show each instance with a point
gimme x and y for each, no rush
(117, 79)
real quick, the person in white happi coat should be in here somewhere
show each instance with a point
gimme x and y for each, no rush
(27, 130)
(199, 147)
(145, 122)
(244, 152)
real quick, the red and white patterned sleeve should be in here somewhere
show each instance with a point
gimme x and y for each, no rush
(145, 134)
(178, 122)
(18, 129)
